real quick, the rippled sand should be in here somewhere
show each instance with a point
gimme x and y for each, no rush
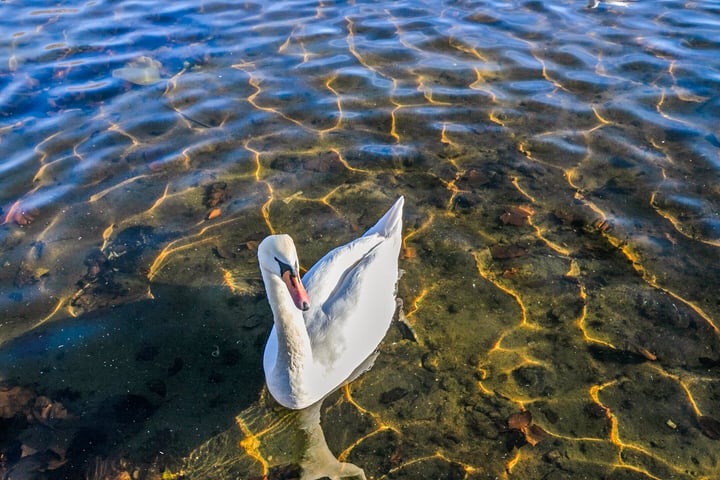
(559, 164)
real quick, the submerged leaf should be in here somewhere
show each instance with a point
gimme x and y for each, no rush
(518, 421)
(521, 424)
(534, 434)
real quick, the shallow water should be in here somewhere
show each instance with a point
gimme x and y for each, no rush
(560, 167)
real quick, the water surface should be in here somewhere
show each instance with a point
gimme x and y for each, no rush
(560, 167)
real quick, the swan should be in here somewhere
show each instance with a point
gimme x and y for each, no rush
(328, 325)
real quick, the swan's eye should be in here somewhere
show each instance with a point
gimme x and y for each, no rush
(284, 267)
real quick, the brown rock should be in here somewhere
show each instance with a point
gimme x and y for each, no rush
(709, 426)
(14, 400)
(215, 194)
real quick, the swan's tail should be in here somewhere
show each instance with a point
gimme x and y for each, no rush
(390, 222)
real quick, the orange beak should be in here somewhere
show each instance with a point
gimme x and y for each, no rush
(297, 291)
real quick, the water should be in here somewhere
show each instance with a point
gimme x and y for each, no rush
(560, 166)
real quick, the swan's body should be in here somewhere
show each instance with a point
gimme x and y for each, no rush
(325, 335)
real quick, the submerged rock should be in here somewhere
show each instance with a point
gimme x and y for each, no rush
(393, 395)
(710, 427)
(143, 71)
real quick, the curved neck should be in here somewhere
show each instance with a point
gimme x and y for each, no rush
(294, 349)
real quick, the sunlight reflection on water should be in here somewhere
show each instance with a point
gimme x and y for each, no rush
(560, 166)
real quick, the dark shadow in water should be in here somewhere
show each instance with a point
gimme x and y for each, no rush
(146, 382)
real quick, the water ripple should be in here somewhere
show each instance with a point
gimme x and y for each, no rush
(559, 162)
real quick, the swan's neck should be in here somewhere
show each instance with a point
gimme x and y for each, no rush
(294, 354)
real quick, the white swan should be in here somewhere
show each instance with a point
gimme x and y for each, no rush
(326, 333)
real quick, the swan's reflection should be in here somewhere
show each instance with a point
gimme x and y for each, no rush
(317, 461)
(270, 442)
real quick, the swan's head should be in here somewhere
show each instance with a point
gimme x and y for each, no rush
(277, 256)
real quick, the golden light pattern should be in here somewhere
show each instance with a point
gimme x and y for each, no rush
(379, 425)
(490, 277)
(414, 306)
(170, 250)
(677, 379)
(251, 442)
(518, 308)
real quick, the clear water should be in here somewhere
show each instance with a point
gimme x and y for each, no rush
(560, 166)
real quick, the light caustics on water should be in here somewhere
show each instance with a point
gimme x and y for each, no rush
(559, 165)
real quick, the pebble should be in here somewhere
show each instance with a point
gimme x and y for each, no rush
(431, 362)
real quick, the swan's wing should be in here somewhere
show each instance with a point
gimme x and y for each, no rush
(352, 294)
(326, 274)
(391, 222)
(356, 314)
(324, 277)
